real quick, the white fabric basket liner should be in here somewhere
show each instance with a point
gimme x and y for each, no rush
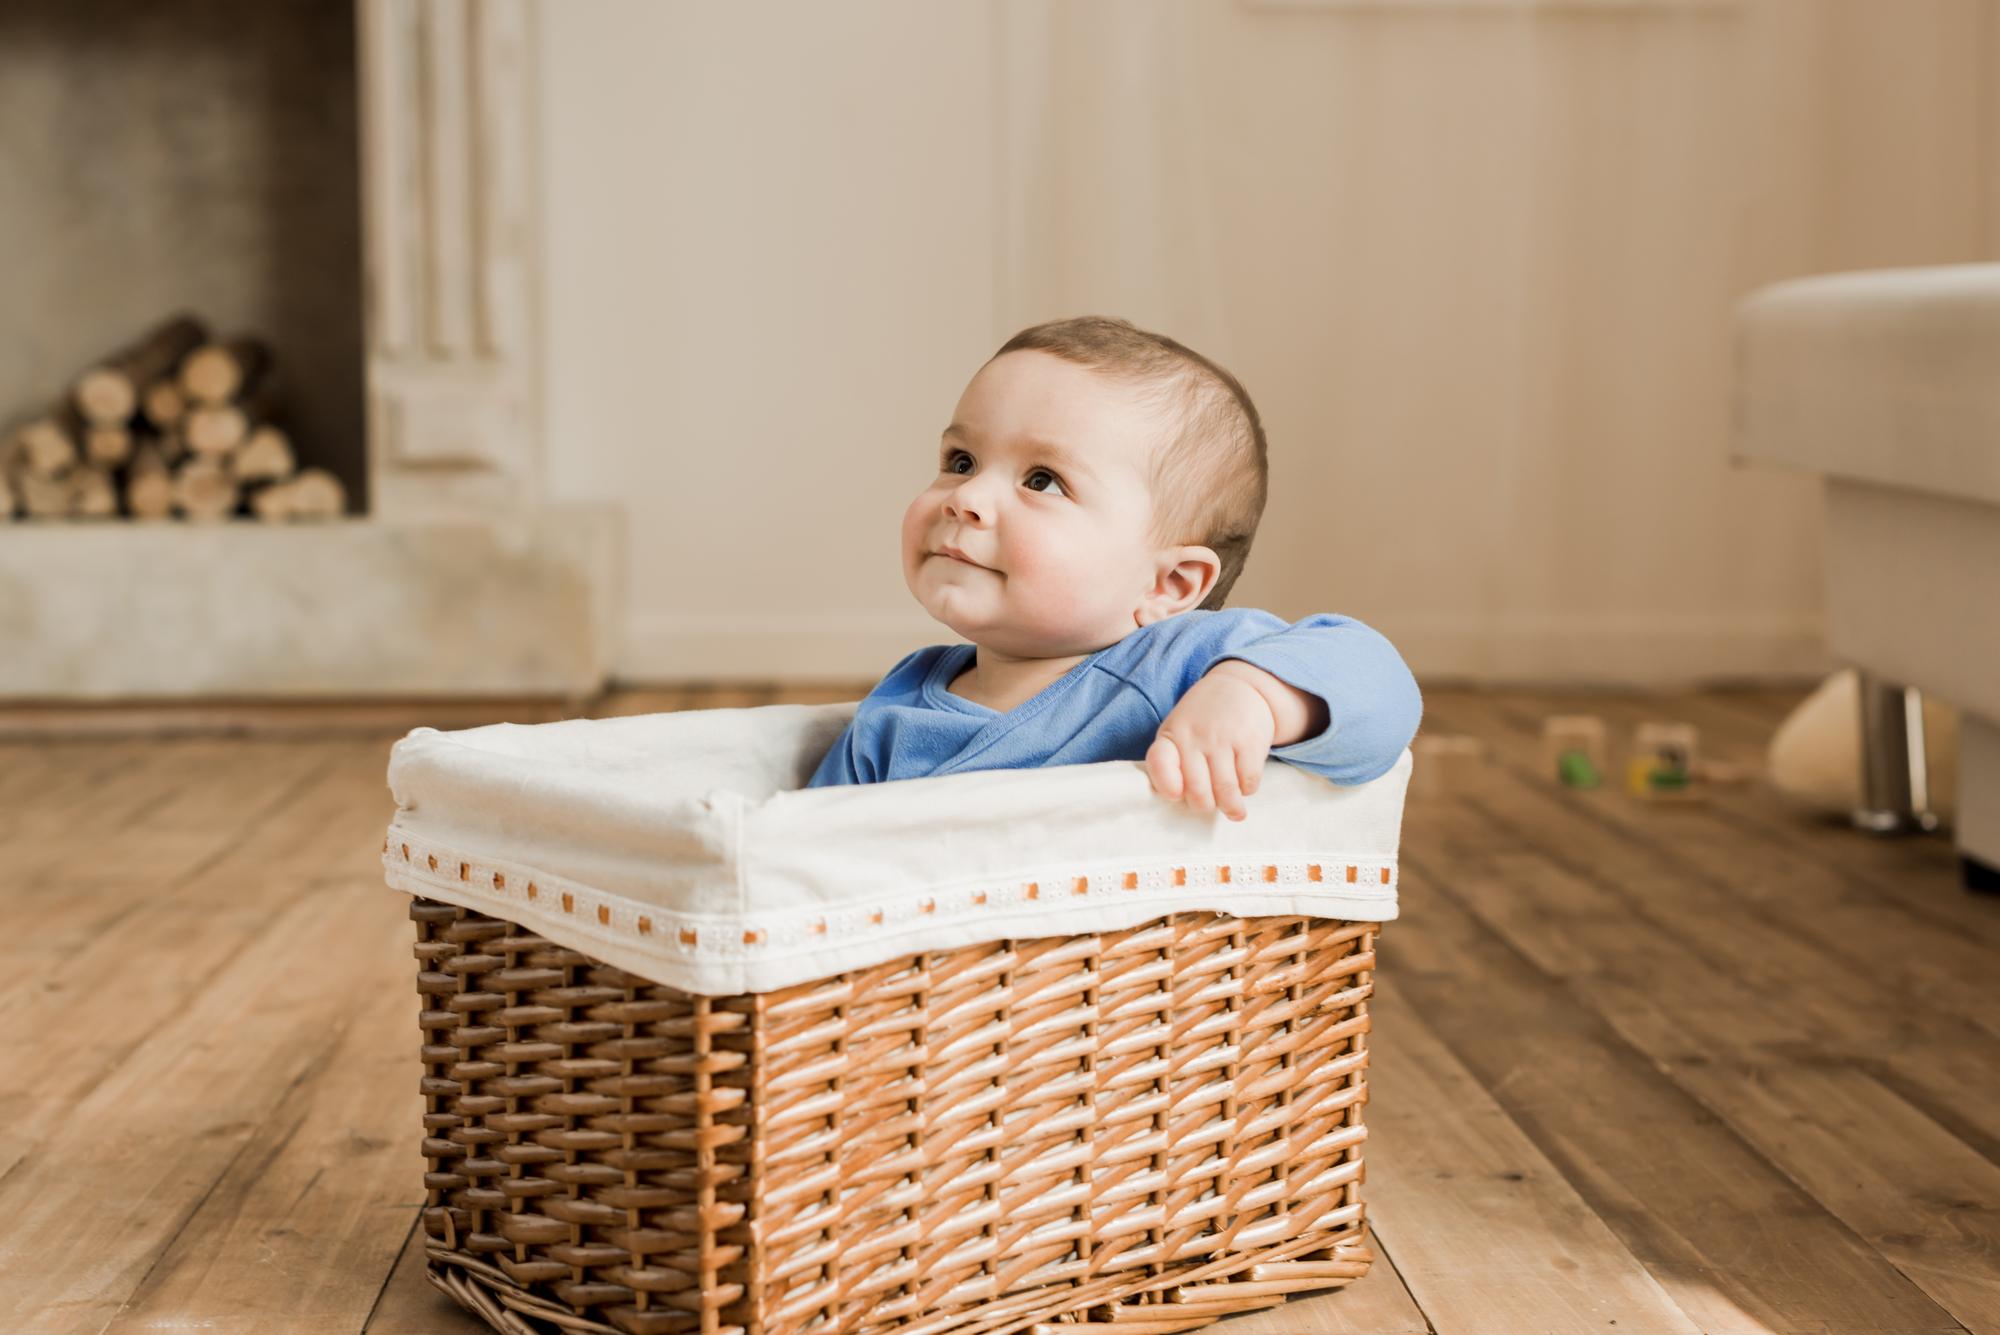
(681, 848)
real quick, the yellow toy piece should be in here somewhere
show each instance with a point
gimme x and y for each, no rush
(1662, 766)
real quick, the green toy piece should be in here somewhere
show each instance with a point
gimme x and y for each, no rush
(1668, 778)
(1576, 771)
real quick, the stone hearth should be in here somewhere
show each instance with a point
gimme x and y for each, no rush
(348, 608)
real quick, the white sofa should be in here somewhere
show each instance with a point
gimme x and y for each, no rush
(1888, 384)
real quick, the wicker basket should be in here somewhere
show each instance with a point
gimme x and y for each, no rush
(1150, 1129)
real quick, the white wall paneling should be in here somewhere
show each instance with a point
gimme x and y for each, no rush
(452, 261)
(1476, 261)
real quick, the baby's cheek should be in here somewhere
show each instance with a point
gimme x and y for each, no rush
(917, 520)
(1056, 609)
(1062, 586)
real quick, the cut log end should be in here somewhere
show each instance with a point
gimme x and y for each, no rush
(318, 494)
(108, 393)
(215, 430)
(92, 494)
(46, 447)
(163, 404)
(313, 494)
(149, 484)
(204, 490)
(44, 497)
(215, 373)
(105, 397)
(265, 456)
(107, 446)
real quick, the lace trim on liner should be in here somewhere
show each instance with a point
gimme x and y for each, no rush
(412, 866)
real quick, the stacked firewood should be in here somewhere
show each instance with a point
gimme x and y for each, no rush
(174, 424)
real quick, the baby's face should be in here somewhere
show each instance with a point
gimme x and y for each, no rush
(1034, 540)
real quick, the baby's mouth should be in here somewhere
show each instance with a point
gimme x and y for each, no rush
(953, 554)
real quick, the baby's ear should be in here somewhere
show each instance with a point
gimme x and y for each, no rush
(1181, 580)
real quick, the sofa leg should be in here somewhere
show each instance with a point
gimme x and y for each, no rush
(1979, 877)
(1894, 781)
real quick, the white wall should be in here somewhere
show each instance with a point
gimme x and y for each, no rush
(770, 233)
(1475, 263)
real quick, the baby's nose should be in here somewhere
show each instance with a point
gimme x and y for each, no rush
(967, 507)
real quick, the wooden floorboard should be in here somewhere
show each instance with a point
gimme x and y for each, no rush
(1736, 1244)
(1722, 1067)
(1912, 872)
(1484, 1230)
(1869, 998)
(1718, 867)
(321, 1191)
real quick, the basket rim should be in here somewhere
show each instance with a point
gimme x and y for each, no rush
(729, 954)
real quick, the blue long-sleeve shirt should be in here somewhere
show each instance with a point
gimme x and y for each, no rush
(1110, 706)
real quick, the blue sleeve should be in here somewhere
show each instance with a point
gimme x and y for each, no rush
(1372, 702)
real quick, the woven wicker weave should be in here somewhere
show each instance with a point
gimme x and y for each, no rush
(1150, 1129)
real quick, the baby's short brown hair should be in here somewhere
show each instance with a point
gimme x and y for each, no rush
(1209, 480)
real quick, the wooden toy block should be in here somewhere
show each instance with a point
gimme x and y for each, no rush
(1663, 762)
(1573, 752)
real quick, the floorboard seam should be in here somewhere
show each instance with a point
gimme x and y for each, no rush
(416, 1222)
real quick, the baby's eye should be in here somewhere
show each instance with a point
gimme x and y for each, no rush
(1041, 479)
(957, 461)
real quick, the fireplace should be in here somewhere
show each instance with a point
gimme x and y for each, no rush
(201, 157)
(355, 185)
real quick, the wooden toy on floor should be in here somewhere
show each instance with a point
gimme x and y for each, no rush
(1573, 750)
(1442, 765)
(1662, 763)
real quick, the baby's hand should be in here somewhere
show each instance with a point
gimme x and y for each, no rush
(1211, 748)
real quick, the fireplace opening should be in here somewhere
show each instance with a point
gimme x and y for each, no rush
(202, 159)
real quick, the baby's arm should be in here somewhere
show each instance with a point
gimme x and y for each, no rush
(1332, 693)
(1295, 714)
(1210, 750)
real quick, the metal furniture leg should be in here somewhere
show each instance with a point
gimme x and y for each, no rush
(1894, 777)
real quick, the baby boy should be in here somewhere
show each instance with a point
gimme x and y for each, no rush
(1096, 494)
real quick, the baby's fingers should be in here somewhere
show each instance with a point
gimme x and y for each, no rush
(1250, 768)
(1228, 793)
(1200, 792)
(1163, 766)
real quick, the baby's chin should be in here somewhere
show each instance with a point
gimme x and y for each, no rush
(958, 609)
(972, 606)
(1003, 634)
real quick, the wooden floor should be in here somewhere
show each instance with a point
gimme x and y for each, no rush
(1636, 1068)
